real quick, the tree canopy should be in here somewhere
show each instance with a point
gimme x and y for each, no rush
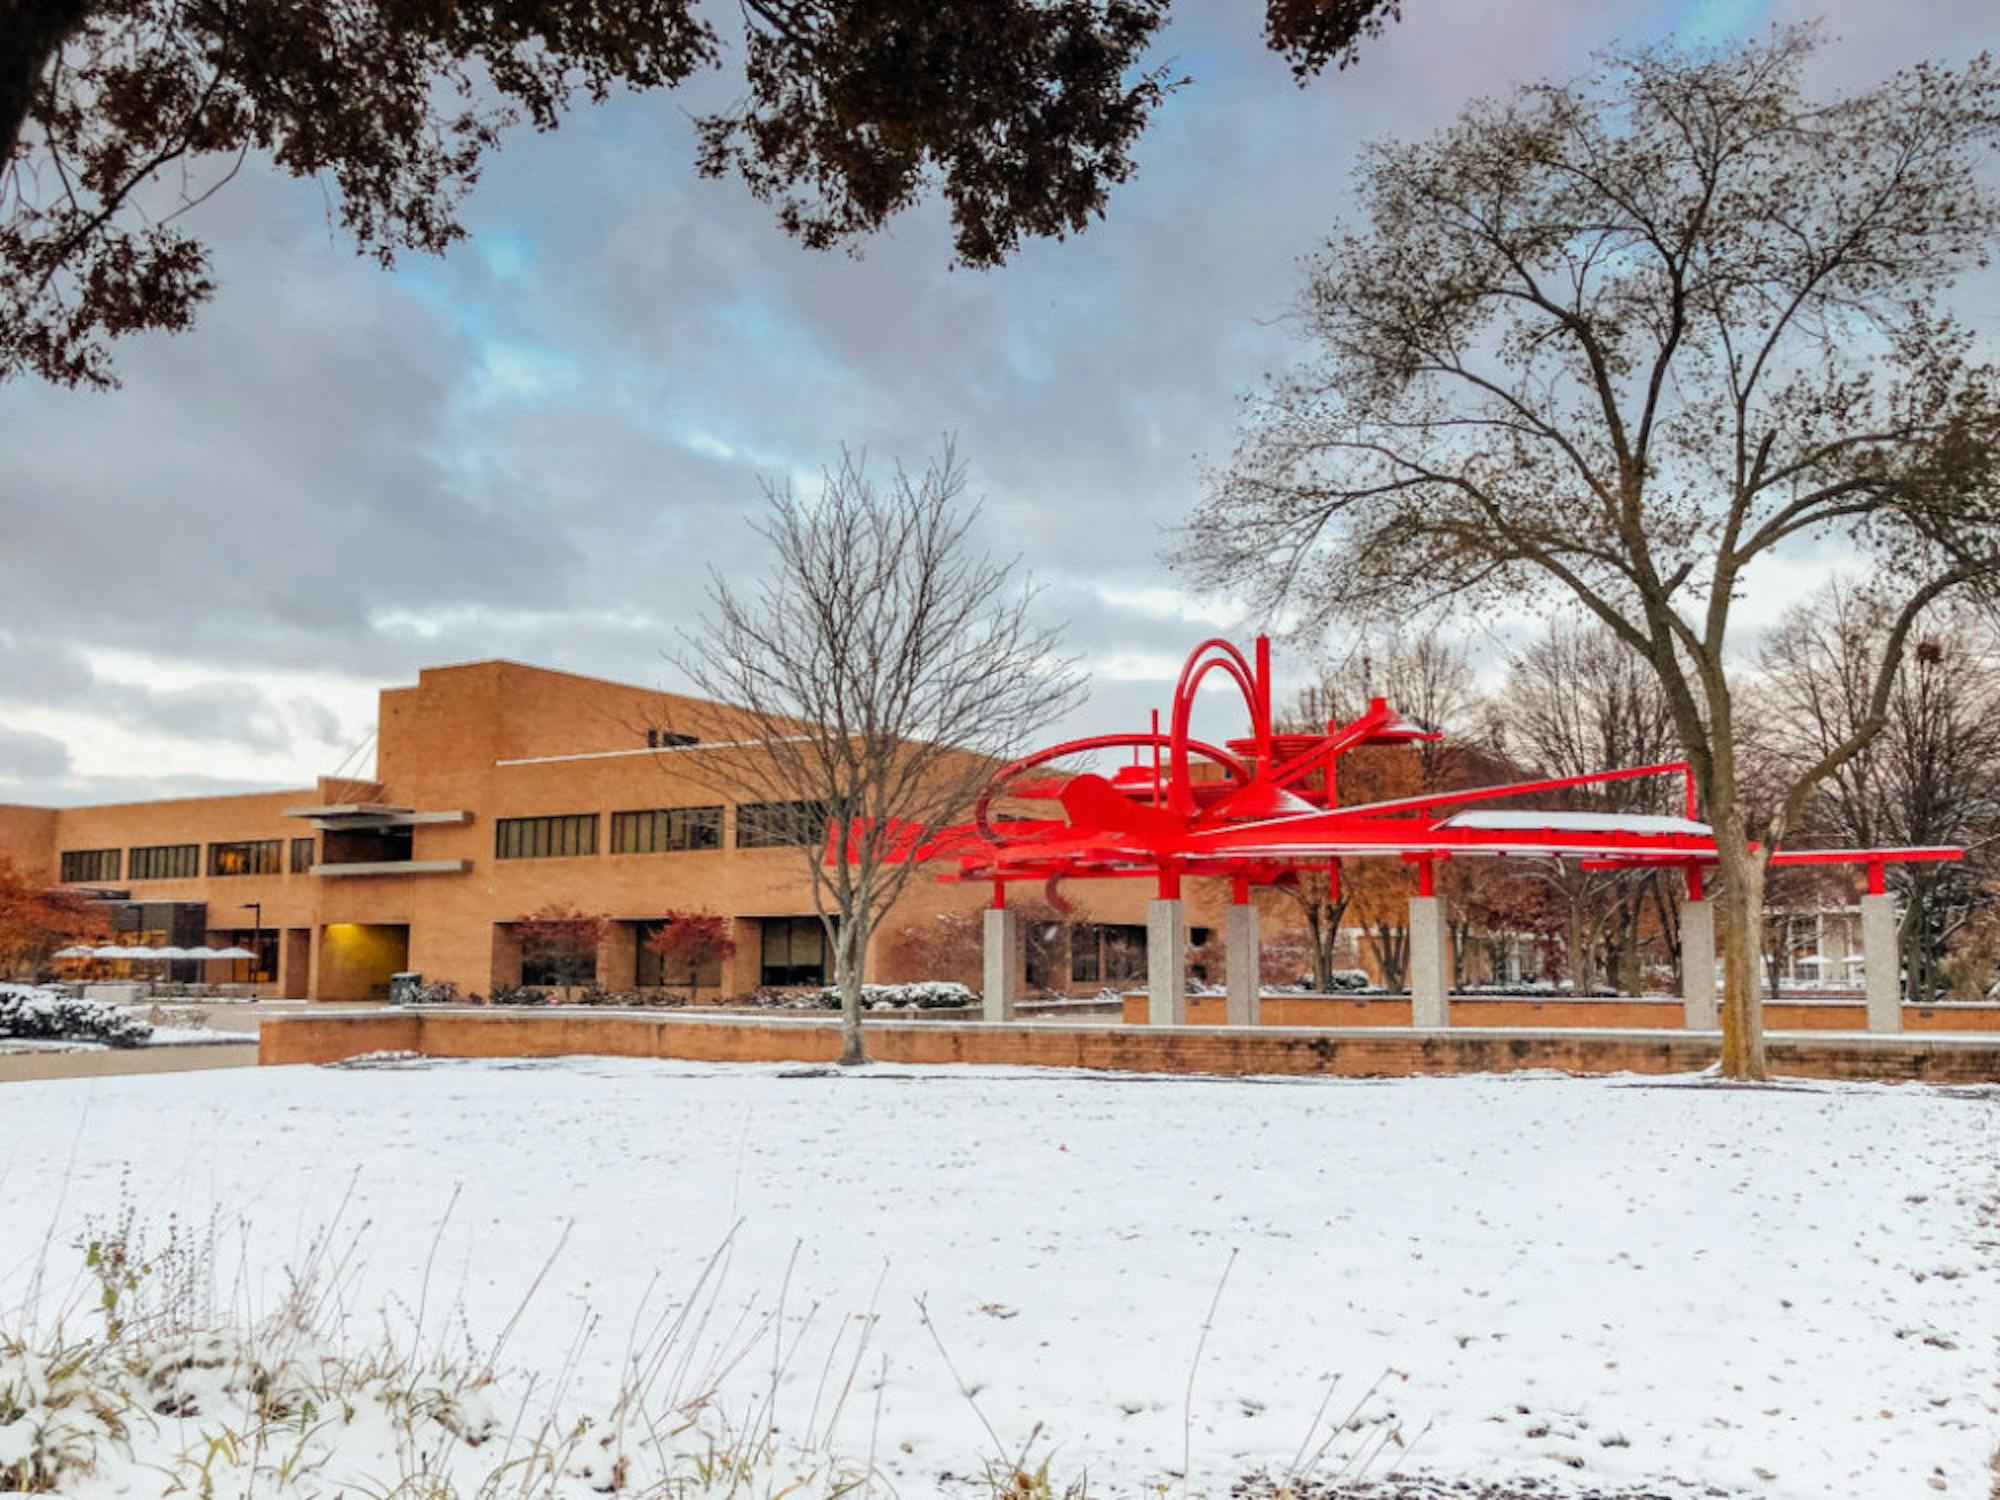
(119, 116)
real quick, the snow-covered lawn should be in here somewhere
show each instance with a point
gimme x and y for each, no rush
(1783, 1292)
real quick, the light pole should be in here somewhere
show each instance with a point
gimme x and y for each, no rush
(256, 910)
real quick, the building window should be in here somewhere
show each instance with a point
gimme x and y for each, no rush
(247, 857)
(778, 825)
(263, 969)
(794, 951)
(302, 856)
(661, 830)
(1108, 953)
(164, 862)
(89, 864)
(655, 970)
(559, 967)
(545, 838)
(1046, 951)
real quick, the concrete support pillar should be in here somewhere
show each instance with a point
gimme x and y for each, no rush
(1166, 963)
(1240, 962)
(1430, 963)
(1698, 1012)
(1881, 954)
(1005, 960)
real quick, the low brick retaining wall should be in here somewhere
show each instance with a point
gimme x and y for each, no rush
(1509, 1011)
(1370, 1052)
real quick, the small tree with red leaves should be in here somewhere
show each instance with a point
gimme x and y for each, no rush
(559, 944)
(36, 922)
(690, 940)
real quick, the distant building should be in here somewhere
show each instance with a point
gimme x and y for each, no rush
(500, 789)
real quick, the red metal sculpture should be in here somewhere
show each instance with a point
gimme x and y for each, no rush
(1259, 808)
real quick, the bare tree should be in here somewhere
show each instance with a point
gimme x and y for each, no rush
(1617, 342)
(1430, 680)
(1576, 701)
(868, 687)
(1932, 776)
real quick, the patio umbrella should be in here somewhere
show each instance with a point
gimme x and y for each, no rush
(81, 950)
(204, 952)
(234, 953)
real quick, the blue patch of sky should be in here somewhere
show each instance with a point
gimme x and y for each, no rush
(1713, 22)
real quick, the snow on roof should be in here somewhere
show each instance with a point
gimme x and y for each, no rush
(1577, 822)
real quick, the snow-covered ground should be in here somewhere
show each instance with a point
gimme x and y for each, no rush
(1782, 1292)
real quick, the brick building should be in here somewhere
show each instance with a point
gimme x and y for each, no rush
(500, 789)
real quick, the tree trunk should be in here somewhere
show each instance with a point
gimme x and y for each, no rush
(1322, 955)
(850, 944)
(1391, 945)
(1670, 927)
(1741, 908)
(1916, 979)
(1628, 952)
(1579, 960)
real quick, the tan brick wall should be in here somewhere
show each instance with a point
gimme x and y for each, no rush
(1510, 1011)
(28, 838)
(1268, 1050)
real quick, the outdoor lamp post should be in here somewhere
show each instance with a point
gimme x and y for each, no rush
(256, 910)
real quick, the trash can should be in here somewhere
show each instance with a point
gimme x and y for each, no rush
(404, 989)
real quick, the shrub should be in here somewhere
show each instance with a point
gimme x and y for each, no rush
(931, 994)
(597, 995)
(42, 1015)
(520, 994)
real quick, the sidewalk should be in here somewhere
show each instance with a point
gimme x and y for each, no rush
(236, 1026)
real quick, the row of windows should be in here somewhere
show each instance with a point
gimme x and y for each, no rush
(183, 861)
(652, 830)
(795, 962)
(660, 830)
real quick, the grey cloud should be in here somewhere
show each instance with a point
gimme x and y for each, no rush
(41, 671)
(539, 453)
(28, 757)
(51, 674)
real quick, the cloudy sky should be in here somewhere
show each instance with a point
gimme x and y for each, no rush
(538, 447)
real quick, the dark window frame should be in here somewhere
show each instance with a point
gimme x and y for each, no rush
(163, 862)
(303, 865)
(649, 969)
(1046, 954)
(791, 973)
(666, 830)
(780, 825)
(88, 866)
(1108, 953)
(258, 857)
(546, 836)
